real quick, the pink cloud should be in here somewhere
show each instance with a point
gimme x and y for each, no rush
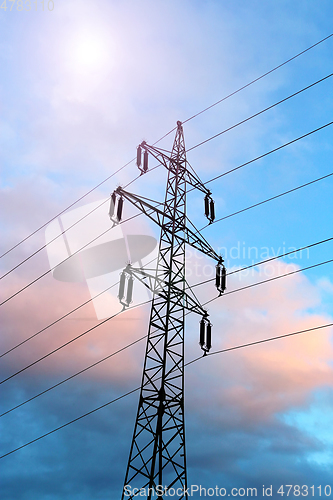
(254, 383)
(48, 300)
(259, 381)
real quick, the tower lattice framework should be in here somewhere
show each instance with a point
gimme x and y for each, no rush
(158, 455)
(157, 460)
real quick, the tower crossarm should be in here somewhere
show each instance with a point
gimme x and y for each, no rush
(164, 220)
(155, 285)
(170, 163)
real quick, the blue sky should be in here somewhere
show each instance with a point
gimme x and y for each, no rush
(81, 86)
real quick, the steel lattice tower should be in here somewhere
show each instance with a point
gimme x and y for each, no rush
(158, 455)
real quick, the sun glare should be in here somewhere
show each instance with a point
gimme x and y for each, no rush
(89, 52)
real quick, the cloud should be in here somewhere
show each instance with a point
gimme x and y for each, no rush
(269, 378)
(93, 346)
(236, 400)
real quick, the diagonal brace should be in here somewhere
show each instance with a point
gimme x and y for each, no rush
(159, 217)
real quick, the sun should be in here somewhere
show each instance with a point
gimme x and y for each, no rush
(89, 52)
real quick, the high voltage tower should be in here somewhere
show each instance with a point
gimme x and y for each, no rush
(157, 453)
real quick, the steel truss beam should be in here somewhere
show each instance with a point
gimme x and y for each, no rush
(165, 220)
(166, 161)
(191, 304)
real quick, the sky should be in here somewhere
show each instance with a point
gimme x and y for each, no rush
(81, 85)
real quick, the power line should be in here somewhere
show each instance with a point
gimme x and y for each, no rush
(260, 112)
(197, 284)
(255, 264)
(51, 241)
(65, 230)
(207, 225)
(51, 269)
(268, 199)
(209, 301)
(65, 209)
(197, 145)
(71, 422)
(165, 135)
(161, 203)
(281, 255)
(74, 375)
(272, 279)
(62, 317)
(208, 348)
(259, 78)
(270, 339)
(269, 152)
(55, 322)
(64, 345)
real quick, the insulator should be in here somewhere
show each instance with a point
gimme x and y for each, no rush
(202, 332)
(209, 336)
(206, 205)
(120, 208)
(218, 276)
(122, 286)
(112, 204)
(138, 156)
(212, 210)
(129, 294)
(224, 279)
(145, 161)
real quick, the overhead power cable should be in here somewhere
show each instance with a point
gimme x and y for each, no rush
(65, 231)
(74, 375)
(67, 208)
(66, 344)
(71, 422)
(263, 341)
(52, 240)
(259, 78)
(207, 343)
(201, 283)
(216, 220)
(260, 112)
(268, 153)
(52, 268)
(55, 321)
(270, 259)
(165, 135)
(62, 317)
(161, 203)
(197, 145)
(269, 199)
(271, 279)
(241, 346)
